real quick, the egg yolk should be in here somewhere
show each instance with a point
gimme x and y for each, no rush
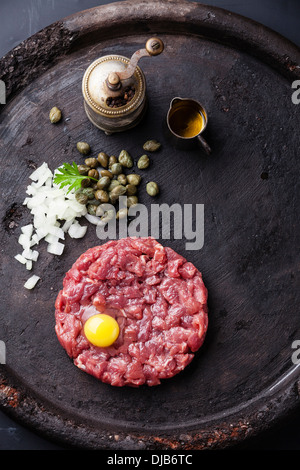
(101, 330)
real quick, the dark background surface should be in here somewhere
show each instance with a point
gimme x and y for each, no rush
(19, 19)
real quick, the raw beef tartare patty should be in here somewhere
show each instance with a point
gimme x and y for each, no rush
(158, 299)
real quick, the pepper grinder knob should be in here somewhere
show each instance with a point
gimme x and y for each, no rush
(113, 81)
(154, 46)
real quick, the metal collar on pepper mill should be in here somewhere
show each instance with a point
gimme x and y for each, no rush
(114, 89)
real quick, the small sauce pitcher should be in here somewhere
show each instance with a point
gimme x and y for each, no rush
(186, 120)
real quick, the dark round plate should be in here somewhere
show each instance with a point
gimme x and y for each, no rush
(243, 379)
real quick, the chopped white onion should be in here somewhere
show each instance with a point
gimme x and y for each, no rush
(34, 240)
(31, 282)
(27, 230)
(21, 259)
(56, 248)
(29, 265)
(38, 172)
(77, 231)
(67, 225)
(56, 231)
(50, 238)
(55, 212)
(24, 241)
(93, 219)
(30, 254)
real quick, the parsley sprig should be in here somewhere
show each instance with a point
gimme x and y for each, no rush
(68, 175)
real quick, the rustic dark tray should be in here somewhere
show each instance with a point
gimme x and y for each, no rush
(243, 380)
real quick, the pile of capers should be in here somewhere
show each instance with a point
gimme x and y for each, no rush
(112, 181)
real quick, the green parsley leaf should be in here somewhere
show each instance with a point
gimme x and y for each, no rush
(68, 175)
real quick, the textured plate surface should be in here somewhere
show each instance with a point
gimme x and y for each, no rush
(242, 380)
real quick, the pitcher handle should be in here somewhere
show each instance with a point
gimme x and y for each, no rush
(204, 144)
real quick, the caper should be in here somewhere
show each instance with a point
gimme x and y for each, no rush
(122, 213)
(151, 145)
(55, 115)
(106, 173)
(81, 198)
(91, 162)
(112, 159)
(131, 189)
(134, 179)
(113, 184)
(99, 211)
(116, 192)
(83, 169)
(102, 195)
(132, 201)
(86, 182)
(143, 162)
(89, 192)
(125, 159)
(93, 174)
(103, 182)
(83, 147)
(122, 179)
(94, 201)
(116, 168)
(152, 188)
(108, 215)
(103, 159)
(92, 209)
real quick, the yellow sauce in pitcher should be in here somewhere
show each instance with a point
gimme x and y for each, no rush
(186, 121)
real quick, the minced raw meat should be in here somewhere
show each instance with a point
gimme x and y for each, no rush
(158, 299)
